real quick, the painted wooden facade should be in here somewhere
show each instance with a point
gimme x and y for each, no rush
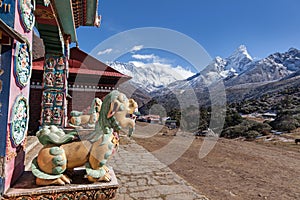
(88, 78)
(54, 20)
(16, 64)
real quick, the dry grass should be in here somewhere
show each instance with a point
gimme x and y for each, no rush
(237, 169)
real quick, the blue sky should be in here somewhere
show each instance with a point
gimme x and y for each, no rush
(220, 26)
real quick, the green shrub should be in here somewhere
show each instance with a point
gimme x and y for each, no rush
(251, 135)
(285, 123)
(248, 128)
(261, 127)
(234, 131)
(232, 118)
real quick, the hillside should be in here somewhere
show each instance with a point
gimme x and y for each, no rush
(242, 77)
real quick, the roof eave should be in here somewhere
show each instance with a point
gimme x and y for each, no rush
(12, 33)
(91, 12)
(65, 12)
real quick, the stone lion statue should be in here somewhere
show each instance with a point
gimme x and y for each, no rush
(62, 151)
(79, 120)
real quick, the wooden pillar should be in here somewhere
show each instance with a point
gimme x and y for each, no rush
(54, 94)
(54, 103)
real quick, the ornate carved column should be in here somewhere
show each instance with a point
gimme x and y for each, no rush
(55, 87)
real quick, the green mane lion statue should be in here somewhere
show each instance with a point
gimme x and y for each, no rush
(60, 152)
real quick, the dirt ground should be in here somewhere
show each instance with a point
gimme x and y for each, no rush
(235, 169)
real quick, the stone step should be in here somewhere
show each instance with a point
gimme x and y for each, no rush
(32, 141)
(32, 149)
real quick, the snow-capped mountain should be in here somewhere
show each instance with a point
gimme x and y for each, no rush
(239, 73)
(239, 68)
(154, 76)
(151, 77)
(218, 69)
(274, 67)
(242, 76)
(226, 68)
(257, 82)
(238, 61)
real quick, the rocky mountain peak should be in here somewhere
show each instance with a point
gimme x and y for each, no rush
(238, 60)
(242, 50)
(293, 51)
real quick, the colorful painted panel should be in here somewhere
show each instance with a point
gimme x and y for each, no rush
(54, 73)
(99, 194)
(23, 64)
(20, 116)
(54, 93)
(52, 116)
(26, 8)
(53, 102)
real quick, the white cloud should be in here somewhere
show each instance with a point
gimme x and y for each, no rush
(144, 57)
(106, 51)
(137, 48)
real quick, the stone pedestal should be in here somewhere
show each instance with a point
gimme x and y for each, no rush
(26, 189)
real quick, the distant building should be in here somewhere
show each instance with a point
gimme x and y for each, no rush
(171, 123)
(154, 119)
(269, 115)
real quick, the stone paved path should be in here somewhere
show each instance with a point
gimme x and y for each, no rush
(142, 176)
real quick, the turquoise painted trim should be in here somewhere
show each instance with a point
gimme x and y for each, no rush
(2, 184)
(66, 18)
(39, 173)
(91, 12)
(19, 120)
(6, 54)
(52, 37)
(61, 38)
(27, 18)
(22, 73)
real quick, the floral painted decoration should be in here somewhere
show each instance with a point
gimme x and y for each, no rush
(26, 9)
(19, 123)
(23, 64)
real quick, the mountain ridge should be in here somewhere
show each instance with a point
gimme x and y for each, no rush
(151, 77)
(239, 73)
